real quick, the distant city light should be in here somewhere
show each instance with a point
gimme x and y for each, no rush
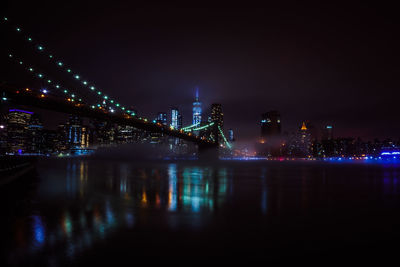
(390, 153)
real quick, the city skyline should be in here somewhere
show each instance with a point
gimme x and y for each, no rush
(134, 132)
(246, 88)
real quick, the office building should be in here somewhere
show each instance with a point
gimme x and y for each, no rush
(17, 126)
(217, 115)
(197, 109)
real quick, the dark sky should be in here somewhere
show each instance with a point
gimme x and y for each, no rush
(325, 64)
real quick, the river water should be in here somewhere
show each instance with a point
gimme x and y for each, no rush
(85, 211)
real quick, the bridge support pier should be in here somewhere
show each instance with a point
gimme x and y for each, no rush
(208, 152)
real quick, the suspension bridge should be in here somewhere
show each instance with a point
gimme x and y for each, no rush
(77, 95)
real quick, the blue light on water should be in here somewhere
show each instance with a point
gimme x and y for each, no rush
(38, 231)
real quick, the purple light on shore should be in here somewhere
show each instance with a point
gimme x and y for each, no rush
(19, 110)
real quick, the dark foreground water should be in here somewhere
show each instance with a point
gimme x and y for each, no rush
(81, 212)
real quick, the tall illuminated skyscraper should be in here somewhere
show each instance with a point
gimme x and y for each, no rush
(197, 109)
(175, 118)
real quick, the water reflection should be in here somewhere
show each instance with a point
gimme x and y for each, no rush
(97, 201)
(80, 203)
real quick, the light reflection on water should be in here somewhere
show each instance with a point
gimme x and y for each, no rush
(79, 203)
(85, 203)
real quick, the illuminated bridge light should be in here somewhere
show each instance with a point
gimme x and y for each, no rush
(59, 63)
(49, 81)
(93, 107)
(10, 55)
(76, 77)
(65, 91)
(5, 18)
(92, 88)
(85, 82)
(57, 86)
(40, 48)
(29, 39)
(123, 108)
(72, 95)
(20, 62)
(68, 70)
(105, 97)
(99, 93)
(30, 69)
(40, 75)
(50, 56)
(117, 105)
(112, 101)
(18, 29)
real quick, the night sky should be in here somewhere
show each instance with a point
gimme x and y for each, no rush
(336, 65)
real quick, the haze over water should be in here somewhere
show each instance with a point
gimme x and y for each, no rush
(81, 211)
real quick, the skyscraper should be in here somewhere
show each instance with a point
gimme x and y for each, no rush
(17, 127)
(231, 137)
(304, 140)
(216, 114)
(271, 139)
(197, 109)
(35, 139)
(77, 134)
(175, 118)
(327, 133)
(270, 124)
(162, 118)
